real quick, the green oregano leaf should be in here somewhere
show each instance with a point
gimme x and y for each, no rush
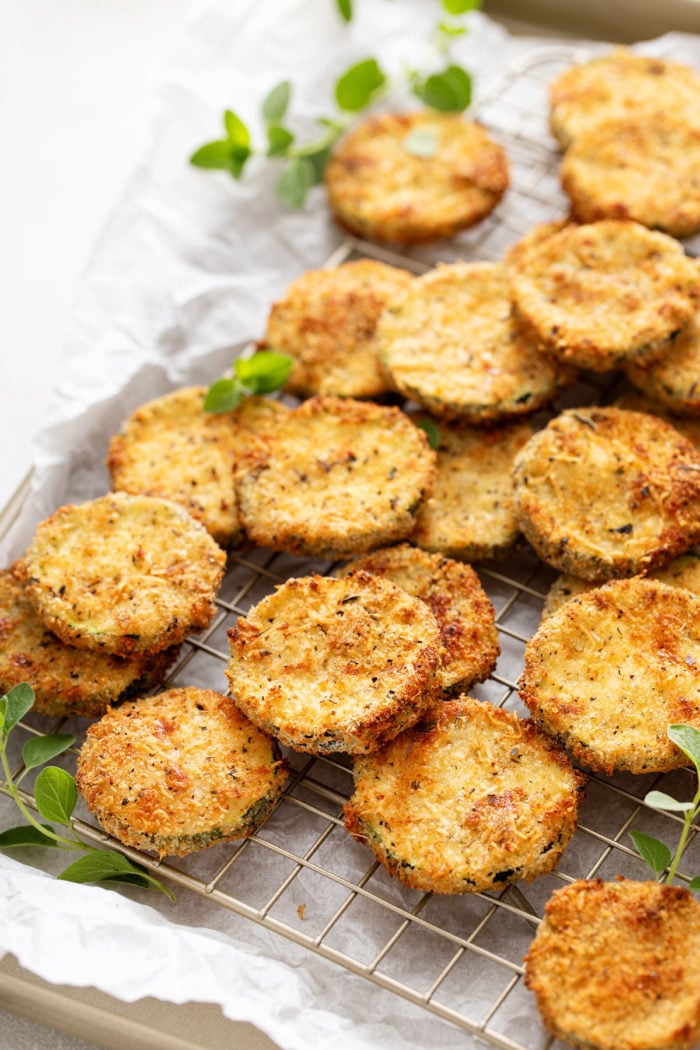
(15, 705)
(449, 91)
(687, 738)
(239, 155)
(223, 396)
(421, 142)
(294, 182)
(264, 372)
(42, 749)
(660, 800)
(345, 9)
(236, 130)
(108, 865)
(655, 853)
(276, 102)
(55, 794)
(357, 87)
(694, 884)
(279, 139)
(215, 155)
(26, 835)
(460, 7)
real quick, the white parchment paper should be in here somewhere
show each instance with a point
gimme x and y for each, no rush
(184, 272)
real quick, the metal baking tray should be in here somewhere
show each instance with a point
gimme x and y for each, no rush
(457, 958)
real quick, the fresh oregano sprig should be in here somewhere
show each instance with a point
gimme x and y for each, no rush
(449, 89)
(263, 372)
(55, 796)
(657, 854)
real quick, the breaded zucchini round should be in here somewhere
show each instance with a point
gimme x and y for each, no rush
(123, 574)
(517, 251)
(413, 177)
(471, 514)
(453, 593)
(338, 477)
(66, 681)
(326, 323)
(172, 448)
(178, 772)
(683, 571)
(470, 799)
(603, 294)
(604, 492)
(688, 426)
(327, 664)
(611, 669)
(450, 343)
(621, 85)
(614, 966)
(647, 171)
(674, 382)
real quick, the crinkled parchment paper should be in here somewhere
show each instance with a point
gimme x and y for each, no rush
(184, 272)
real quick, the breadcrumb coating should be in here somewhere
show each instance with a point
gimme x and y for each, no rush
(380, 187)
(614, 966)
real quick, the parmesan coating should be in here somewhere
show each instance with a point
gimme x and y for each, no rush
(414, 177)
(450, 343)
(470, 799)
(326, 323)
(172, 448)
(471, 513)
(674, 382)
(619, 85)
(327, 664)
(178, 772)
(648, 171)
(612, 668)
(683, 571)
(614, 966)
(605, 492)
(453, 593)
(338, 477)
(66, 681)
(688, 426)
(123, 574)
(602, 294)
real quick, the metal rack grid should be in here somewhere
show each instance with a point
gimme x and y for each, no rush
(301, 875)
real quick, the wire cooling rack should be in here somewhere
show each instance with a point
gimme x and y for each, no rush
(301, 875)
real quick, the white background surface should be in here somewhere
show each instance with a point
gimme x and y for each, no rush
(76, 82)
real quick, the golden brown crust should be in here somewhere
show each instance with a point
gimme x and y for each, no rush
(123, 574)
(619, 85)
(612, 668)
(683, 571)
(66, 681)
(604, 492)
(453, 593)
(173, 449)
(602, 294)
(178, 772)
(614, 966)
(636, 401)
(471, 513)
(327, 664)
(379, 189)
(326, 323)
(646, 171)
(674, 382)
(337, 477)
(450, 343)
(470, 799)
